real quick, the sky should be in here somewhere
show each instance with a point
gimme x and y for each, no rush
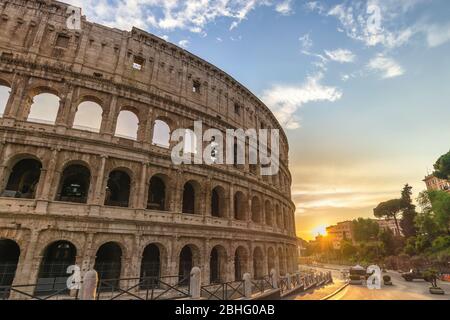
(361, 87)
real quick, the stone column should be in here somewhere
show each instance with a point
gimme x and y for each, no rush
(48, 180)
(231, 205)
(109, 122)
(140, 198)
(18, 95)
(99, 187)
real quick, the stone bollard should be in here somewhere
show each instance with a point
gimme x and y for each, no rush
(89, 287)
(274, 278)
(247, 285)
(195, 286)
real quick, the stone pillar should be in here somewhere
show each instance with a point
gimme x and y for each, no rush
(231, 205)
(48, 181)
(17, 96)
(108, 125)
(140, 197)
(89, 287)
(207, 194)
(99, 189)
(247, 285)
(274, 278)
(195, 286)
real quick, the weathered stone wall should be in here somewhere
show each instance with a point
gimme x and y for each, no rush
(97, 65)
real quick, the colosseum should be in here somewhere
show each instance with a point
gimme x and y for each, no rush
(76, 191)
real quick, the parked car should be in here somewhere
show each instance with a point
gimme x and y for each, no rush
(414, 274)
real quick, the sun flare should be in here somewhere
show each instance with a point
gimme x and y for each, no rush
(320, 230)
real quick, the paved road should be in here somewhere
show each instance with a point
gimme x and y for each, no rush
(401, 290)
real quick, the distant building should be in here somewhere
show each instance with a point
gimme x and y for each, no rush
(301, 246)
(386, 224)
(433, 183)
(341, 231)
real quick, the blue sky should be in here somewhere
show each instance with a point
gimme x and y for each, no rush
(361, 87)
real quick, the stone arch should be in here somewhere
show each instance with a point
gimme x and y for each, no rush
(281, 261)
(218, 202)
(279, 216)
(118, 188)
(191, 197)
(218, 264)
(161, 133)
(240, 262)
(127, 124)
(189, 257)
(240, 206)
(9, 259)
(153, 262)
(5, 93)
(158, 195)
(268, 213)
(75, 182)
(25, 174)
(256, 210)
(108, 264)
(271, 259)
(258, 263)
(44, 105)
(52, 274)
(89, 114)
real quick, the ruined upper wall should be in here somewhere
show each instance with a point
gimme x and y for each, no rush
(36, 29)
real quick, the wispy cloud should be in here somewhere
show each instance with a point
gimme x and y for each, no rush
(168, 15)
(388, 67)
(285, 100)
(183, 43)
(285, 7)
(340, 55)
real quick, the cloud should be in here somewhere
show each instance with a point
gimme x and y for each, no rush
(285, 7)
(340, 55)
(437, 35)
(168, 15)
(388, 67)
(306, 41)
(183, 43)
(285, 100)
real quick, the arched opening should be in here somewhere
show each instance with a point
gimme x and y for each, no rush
(44, 108)
(157, 194)
(279, 216)
(189, 258)
(52, 276)
(271, 259)
(23, 180)
(258, 263)
(118, 189)
(88, 117)
(161, 134)
(108, 264)
(256, 210)
(240, 263)
(150, 267)
(240, 206)
(218, 203)
(190, 142)
(217, 265)
(281, 262)
(5, 92)
(269, 213)
(190, 203)
(9, 257)
(74, 186)
(127, 125)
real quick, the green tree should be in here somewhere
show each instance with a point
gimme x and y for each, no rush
(365, 229)
(387, 239)
(389, 210)
(440, 203)
(442, 167)
(407, 223)
(348, 250)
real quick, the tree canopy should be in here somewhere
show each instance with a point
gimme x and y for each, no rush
(442, 167)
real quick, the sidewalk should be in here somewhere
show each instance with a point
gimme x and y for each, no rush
(317, 293)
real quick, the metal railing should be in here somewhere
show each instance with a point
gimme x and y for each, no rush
(224, 291)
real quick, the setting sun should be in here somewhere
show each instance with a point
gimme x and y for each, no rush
(320, 230)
